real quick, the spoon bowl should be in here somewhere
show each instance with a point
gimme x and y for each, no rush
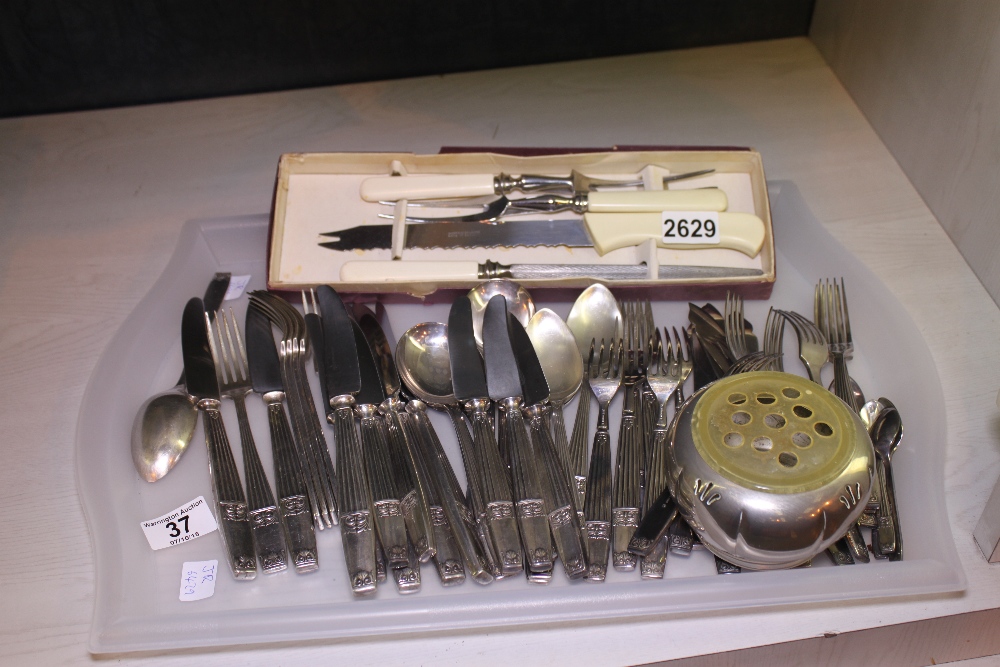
(558, 354)
(519, 303)
(424, 365)
(162, 431)
(594, 316)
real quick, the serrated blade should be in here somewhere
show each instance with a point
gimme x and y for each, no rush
(340, 356)
(528, 233)
(468, 376)
(533, 384)
(503, 380)
(262, 355)
(199, 367)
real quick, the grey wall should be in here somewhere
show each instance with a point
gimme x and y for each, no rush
(926, 73)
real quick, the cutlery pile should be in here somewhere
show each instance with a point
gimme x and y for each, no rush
(535, 501)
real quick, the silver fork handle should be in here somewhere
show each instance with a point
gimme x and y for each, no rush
(385, 504)
(230, 502)
(415, 505)
(356, 529)
(532, 515)
(265, 520)
(558, 496)
(293, 502)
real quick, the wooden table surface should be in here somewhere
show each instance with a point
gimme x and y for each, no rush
(91, 205)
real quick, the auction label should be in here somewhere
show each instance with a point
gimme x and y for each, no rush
(188, 522)
(237, 284)
(198, 580)
(691, 227)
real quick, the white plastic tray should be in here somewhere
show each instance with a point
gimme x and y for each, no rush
(137, 606)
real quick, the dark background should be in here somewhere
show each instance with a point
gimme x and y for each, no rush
(64, 55)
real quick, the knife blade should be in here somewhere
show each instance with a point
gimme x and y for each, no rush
(558, 493)
(484, 467)
(230, 500)
(743, 232)
(412, 486)
(293, 497)
(343, 380)
(382, 472)
(503, 380)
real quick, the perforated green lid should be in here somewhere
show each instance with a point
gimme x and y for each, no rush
(775, 432)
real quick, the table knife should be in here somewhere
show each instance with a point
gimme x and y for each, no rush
(468, 379)
(503, 382)
(557, 489)
(230, 500)
(293, 500)
(413, 484)
(343, 381)
(743, 232)
(382, 473)
(429, 186)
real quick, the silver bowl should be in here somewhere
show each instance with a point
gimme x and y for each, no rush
(768, 468)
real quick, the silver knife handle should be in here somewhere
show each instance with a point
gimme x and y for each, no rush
(448, 558)
(231, 504)
(414, 503)
(265, 521)
(450, 503)
(356, 528)
(532, 514)
(386, 505)
(558, 496)
(293, 501)
(498, 497)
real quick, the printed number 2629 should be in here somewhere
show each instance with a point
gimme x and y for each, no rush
(689, 229)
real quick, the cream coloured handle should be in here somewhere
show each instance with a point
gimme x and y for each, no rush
(743, 232)
(707, 199)
(426, 186)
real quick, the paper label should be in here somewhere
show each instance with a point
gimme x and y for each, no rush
(188, 522)
(691, 227)
(236, 286)
(198, 580)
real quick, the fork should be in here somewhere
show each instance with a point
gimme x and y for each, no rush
(831, 315)
(739, 341)
(830, 307)
(663, 376)
(630, 457)
(813, 350)
(774, 331)
(231, 368)
(605, 377)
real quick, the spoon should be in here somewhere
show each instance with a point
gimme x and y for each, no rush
(887, 433)
(424, 366)
(562, 366)
(595, 317)
(165, 423)
(519, 304)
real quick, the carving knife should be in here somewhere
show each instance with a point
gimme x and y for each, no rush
(293, 500)
(743, 232)
(558, 494)
(343, 381)
(230, 500)
(468, 379)
(428, 186)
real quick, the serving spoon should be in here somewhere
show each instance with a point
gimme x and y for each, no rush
(165, 423)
